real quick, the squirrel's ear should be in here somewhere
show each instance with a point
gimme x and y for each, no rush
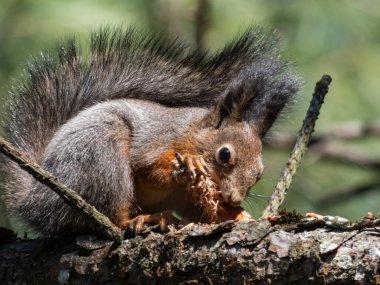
(256, 98)
(233, 104)
(257, 95)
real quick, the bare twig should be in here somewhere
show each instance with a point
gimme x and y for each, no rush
(300, 147)
(71, 197)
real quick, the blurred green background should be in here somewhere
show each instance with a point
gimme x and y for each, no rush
(341, 38)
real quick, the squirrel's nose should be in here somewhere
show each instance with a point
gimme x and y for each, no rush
(235, 200)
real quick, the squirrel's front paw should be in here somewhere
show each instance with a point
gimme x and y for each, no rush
(187, 167)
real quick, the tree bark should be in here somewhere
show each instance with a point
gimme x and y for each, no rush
(226, 253)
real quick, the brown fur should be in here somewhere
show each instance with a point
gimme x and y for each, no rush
(161, 170)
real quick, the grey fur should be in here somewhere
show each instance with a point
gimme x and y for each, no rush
(136, 94)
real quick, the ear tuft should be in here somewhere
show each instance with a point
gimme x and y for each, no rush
(262, 88)
(278, 85)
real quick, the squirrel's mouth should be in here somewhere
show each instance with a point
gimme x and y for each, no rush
(234, 204)
(232, 198)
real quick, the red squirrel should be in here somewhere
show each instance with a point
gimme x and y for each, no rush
(110, 125)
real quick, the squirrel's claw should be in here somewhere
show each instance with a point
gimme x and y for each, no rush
(188, 167)
(141, 223)
(200, 165)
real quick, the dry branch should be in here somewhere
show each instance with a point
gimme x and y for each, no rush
(300, 147)
(69, 196)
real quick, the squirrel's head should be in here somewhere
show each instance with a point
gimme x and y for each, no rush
(233, 157)
(233, 130)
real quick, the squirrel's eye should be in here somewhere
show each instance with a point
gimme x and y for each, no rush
(224, 154)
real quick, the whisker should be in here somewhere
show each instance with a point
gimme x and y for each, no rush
(249, 202)
(258, 199)
(255, 195)
(248, 205)
(256, 202)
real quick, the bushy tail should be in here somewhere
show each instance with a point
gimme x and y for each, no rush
(123, 65)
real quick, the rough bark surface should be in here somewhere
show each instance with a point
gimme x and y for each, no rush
(227, 253)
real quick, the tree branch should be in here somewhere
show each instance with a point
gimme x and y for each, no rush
(69, 196)
(228, 253)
